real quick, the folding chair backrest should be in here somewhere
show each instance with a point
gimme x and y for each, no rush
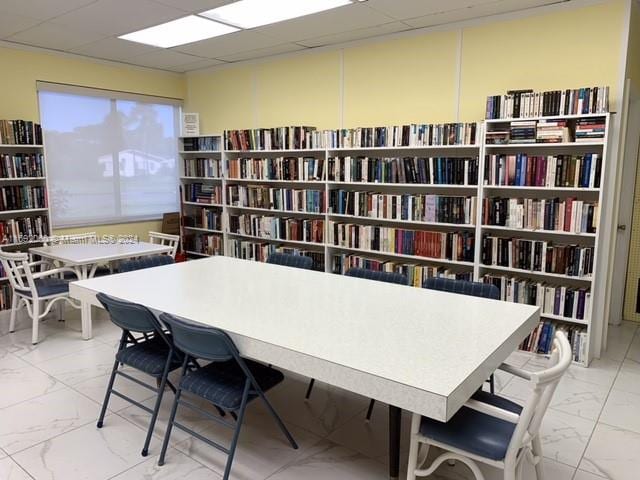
(165, 239)
(388, 277)
(463, 287)
(18, 271)
(201, 341)
(145, 262)
(290, 260)
(543, 384)
(130, 316)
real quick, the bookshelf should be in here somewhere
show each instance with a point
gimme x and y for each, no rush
(24, 210)
(255, 187)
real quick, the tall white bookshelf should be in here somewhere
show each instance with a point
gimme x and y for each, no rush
(480, 149)
(24, 238)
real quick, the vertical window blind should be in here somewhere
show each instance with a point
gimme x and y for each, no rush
(111, 157)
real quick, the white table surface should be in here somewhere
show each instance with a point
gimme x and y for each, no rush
(421, 350)
(82, 254)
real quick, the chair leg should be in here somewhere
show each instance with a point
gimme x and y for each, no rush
(15, 301)
(35, 320)
(372, 402)
(236, 433)
(309, 389)
(536, 445)
(105, 403)
(172, 417)
(156, 408)
(278, 420)
(492, 384)
(414, 447)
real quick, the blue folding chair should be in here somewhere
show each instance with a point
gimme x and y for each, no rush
(464, 287)
(152, 353)
(379, 276)
(145, 262)
(229, 382)
(290, 260)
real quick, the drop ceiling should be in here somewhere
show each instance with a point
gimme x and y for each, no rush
(91, 27)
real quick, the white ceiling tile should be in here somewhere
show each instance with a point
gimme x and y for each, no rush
(209, 62)
(229, 44)
(11, 23)
(114, 49)
(117, 17)
(400, 10)
(164, 59)
(194, 6)
(41, 9)
(337, 20)
(48, 35)
(262, 52)
(358, 34)
(476, 11)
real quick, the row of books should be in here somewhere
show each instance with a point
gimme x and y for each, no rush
(281, 168)
(197, 144)
(589, 129)
(259, 252)
(568, 215)
(21, 197)
(17, 230)
(547, 131)
(203, 167)
(280, 228)
(416, 274)
(203, 193)
(205, 218)
(21, 165)
(415, 170)
(554, 300)
(457, 246)
(414, 135)
(20, 132)
(525, 104)
(279, 138)
(540, 340)
(208, 244)
(522, 132)
(294, 200)
(417, 208)
(575, 171)
(537, 256)
(6, 293)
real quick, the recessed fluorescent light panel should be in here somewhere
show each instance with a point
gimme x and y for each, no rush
(254, 13)
(178, 32)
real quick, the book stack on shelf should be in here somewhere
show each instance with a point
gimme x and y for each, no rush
(206, 143)
(210, 168)
(277, 228)
(552, 131)
(24, 213)
(268, 198)
(303, 169)
(259, 252)
(540, 340)
(523, 131)
(279, 138)
(589, 129)
(203, 193)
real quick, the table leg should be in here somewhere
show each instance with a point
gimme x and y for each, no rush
(395, 427)
(85, 308)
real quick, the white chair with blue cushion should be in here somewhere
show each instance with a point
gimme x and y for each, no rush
(490, 429)
(165, 239)
(38, 291)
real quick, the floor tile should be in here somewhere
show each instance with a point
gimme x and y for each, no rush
(619, 338)
(262, 447)
(565, 437)
(24, 383)
(180, 467)
(9, 361)
(576, 397)
(10, 470)
(628, 379)
(601, 371)
(95, 388)
(582, 475)
(29, 423)
(87, 453)
(613, 453)
(622, 410)
(77, 367)
(55, 345)
(634, 349)
(331, 461)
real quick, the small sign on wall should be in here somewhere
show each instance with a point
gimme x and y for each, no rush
(190, 124)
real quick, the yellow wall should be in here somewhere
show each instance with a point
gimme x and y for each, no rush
(18, 97)
(415, 78)
(633, 65)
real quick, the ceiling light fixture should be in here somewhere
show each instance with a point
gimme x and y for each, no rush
(254, 13)
(178, 32)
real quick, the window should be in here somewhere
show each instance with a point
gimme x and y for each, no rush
(111, 158)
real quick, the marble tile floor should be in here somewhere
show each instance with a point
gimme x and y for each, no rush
(51, 395)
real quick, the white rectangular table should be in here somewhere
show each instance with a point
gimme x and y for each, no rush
(85, 258)
(420, 350)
